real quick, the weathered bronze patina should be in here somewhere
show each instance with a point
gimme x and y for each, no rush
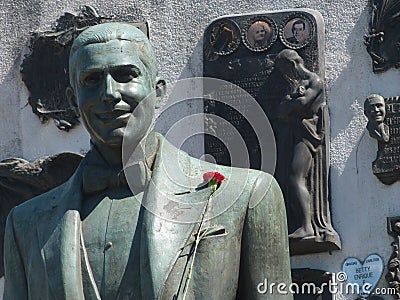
(21, 180)
(95, 237)
(48, 56)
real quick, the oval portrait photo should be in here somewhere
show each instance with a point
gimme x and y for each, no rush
(224, 37)
(259, 35)
(296, 33)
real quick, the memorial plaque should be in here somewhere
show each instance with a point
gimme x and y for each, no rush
(365, 275)
(278, 61)
(383, 40)
(386, 166)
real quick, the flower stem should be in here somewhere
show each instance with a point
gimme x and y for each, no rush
(199, 237)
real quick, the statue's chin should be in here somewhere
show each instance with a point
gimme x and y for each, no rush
(113, 138)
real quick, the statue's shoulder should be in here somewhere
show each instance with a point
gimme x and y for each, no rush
(258, 185)
(28, 212)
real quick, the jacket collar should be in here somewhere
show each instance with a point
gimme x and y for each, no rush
(59, 233)
(168, 224)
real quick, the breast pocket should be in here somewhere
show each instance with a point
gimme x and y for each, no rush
(217, 264)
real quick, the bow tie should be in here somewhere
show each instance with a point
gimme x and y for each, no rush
(98, 178)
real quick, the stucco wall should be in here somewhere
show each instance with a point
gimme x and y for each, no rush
(360, 203)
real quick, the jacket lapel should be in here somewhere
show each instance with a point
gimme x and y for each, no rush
(168, 223)
(59, 238)
(168, 217)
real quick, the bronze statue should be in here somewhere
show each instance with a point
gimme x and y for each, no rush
(375, 111)
(302, 152)
(96, 237)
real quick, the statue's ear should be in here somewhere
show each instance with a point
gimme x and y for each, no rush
(71, 97)
(161, 88)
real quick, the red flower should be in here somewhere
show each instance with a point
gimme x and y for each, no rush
(218, 177)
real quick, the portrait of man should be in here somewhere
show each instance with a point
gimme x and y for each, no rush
(259, 34)
(116, 228)
(296, 31)
(375, 111)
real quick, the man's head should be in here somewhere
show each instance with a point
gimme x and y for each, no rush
(299, 30)
(374, 108)
(113, 76)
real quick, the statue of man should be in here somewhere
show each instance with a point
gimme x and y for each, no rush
(375, 111)
(301, 142)
(117, 229)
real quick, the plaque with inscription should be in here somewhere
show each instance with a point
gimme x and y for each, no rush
(384, 125)
(277, 62)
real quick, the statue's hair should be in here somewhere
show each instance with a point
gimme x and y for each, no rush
(286, 56)
(370, 97)
(106, 32)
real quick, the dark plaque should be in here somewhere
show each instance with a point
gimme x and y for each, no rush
(383, 41)
(45, 69)
(279, 63)
(384, 126)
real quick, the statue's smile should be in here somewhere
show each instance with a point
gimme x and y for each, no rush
(114, 116)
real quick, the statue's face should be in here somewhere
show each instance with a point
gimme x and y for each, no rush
(113, 85)
(375, 110)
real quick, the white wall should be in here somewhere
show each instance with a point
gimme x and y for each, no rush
(360, 203)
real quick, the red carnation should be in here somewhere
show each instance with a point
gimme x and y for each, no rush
(218, 177)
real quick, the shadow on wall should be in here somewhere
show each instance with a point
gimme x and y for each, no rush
(180, 106)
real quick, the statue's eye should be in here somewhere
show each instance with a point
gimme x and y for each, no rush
(125, 75)
(93, 79)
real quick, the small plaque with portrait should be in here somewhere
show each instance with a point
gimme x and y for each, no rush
(383, 116)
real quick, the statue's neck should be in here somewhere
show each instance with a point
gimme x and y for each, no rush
(111, 155)
(142, 151)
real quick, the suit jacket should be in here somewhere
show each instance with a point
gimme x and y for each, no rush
(246, 241)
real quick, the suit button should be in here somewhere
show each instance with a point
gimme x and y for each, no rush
(108, 245)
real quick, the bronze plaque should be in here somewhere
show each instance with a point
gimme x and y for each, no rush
(278, 60)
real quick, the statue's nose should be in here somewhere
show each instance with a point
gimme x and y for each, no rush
(111, 91)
